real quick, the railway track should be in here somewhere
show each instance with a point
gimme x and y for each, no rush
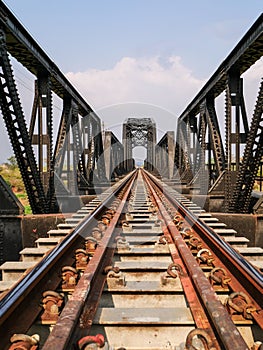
(142, 271)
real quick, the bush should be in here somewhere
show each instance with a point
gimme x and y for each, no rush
(11, 174)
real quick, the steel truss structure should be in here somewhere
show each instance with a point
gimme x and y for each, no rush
(114, 156)
(82, 155)
(76, 156)
(200, 151)
(164, 155)
(139, 132)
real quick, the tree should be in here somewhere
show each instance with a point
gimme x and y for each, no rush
(12, 163)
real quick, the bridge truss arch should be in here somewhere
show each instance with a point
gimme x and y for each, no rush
(139, 132)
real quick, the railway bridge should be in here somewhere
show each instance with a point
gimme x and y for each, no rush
(119, 255)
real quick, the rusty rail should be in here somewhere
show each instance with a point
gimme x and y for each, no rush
(21, 305)
(243, 281)
(230, 255)
(75, 308)
(214, 324)
(219, 316)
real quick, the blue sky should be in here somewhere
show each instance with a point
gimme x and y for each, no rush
(96, 34)
(149, 52)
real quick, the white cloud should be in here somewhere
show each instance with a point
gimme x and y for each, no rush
(252, 79)
(168, 84)
(157, 86)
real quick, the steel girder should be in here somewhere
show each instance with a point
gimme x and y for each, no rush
(253, 153)
(42, 119)
(25, 49)
(98, 167)
(18, 133)
(200, 136)
(215, 140)
(79, 152)
(235, 120)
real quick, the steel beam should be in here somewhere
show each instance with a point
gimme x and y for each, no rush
(251, 160)
(17, 129)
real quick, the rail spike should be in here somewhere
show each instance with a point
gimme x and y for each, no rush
(92, 342)
(240, 303)
(69, 277)
(24, 342)
(52, 303)
(219, 276)
(203, 338)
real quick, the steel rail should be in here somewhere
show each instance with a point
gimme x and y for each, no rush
(74, 310)
(197, 309)
(236, 257)
(234, 284)
(227, 332)
(245, 280)
(38, 276)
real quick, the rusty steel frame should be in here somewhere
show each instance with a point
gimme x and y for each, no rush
(139, 132)
(230, 266)
(207, 311)
(235, 285)
(164, 155)
(114, 156)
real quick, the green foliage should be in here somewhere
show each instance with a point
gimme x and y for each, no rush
(28, 209)
(12, 163)
(11, 174)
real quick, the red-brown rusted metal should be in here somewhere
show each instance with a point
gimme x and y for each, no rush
(97, 233)
(210, 319)
(69, 278)
(24, 342)
(90, 245)
(219, 276)
(52, 303)
(82, 259)
(240, 303)
(91, 340)
(193, 300)
(205, 256)
(201, 334)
